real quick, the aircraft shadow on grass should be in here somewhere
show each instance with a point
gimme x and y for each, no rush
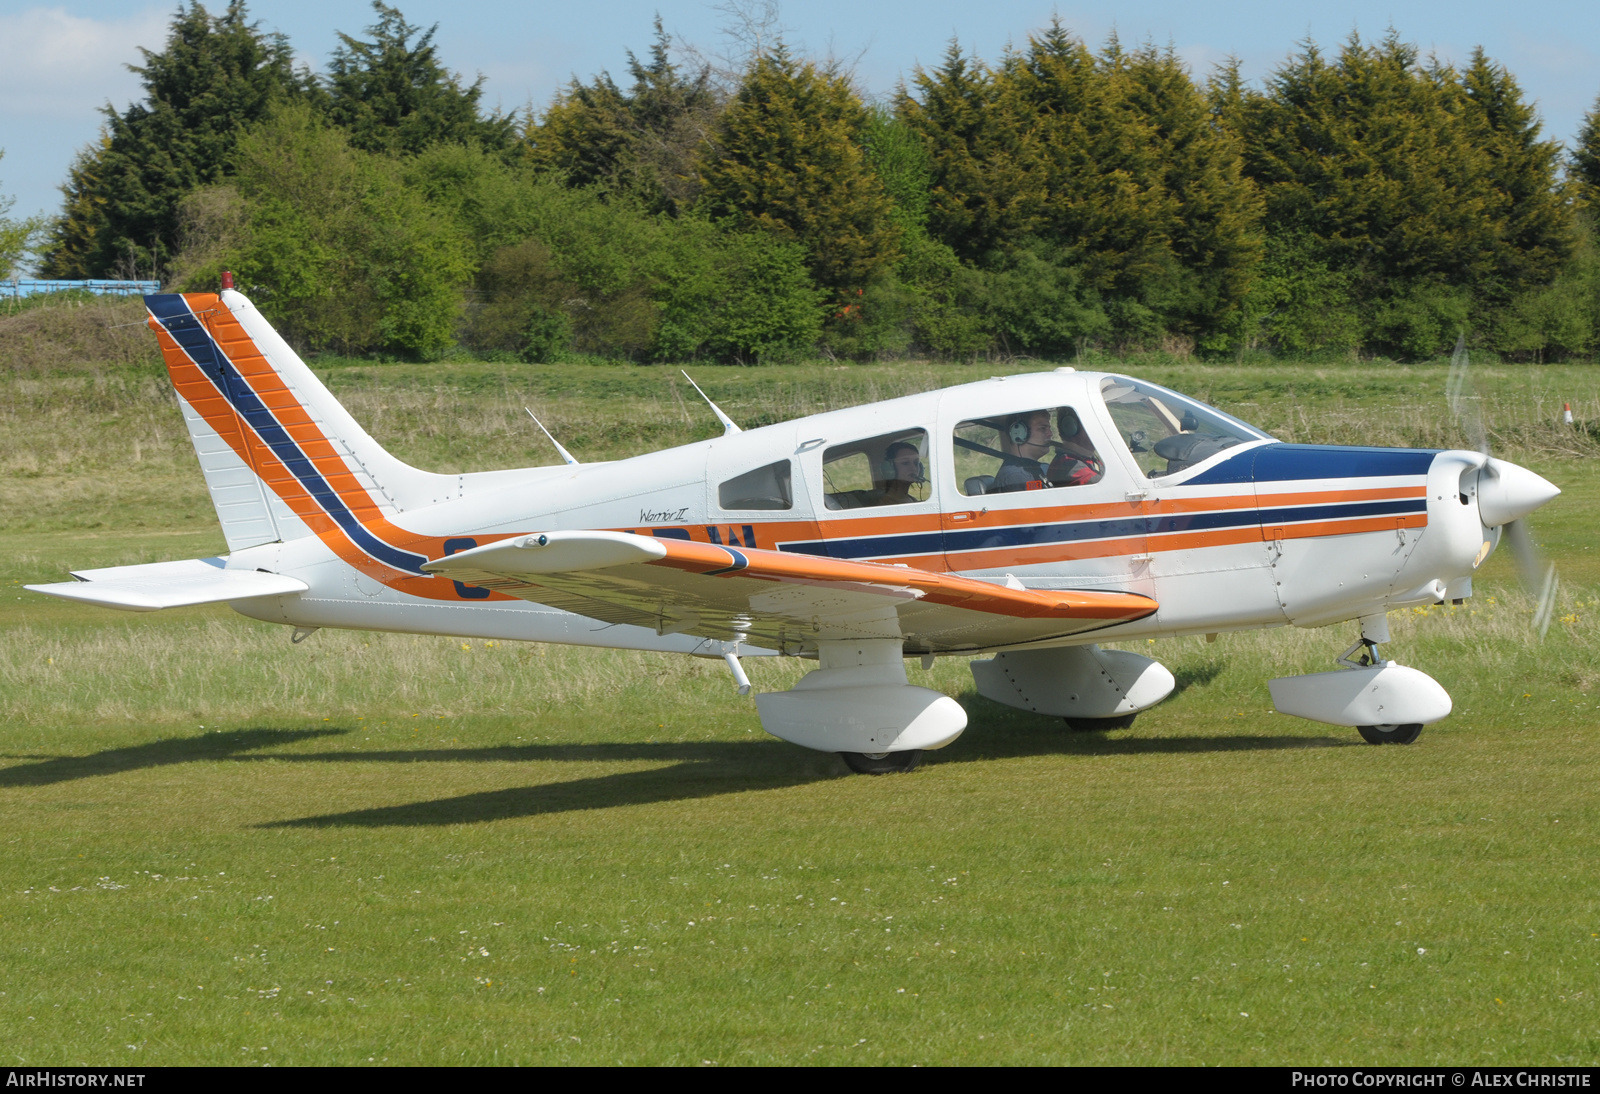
(169, 750)
(710, 769)
(695, 769)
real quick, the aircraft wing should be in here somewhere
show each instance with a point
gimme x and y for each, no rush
(160, 585)
(774, 599)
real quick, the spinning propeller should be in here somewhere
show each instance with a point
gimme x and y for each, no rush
(1507, 493)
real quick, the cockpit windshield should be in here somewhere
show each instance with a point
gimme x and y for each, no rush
(1167, 432)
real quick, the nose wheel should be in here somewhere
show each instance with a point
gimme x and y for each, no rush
(882, 763)
(1390, 734)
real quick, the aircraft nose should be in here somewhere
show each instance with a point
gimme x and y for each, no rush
(1507, 492)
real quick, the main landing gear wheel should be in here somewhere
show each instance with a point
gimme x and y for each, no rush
(1091, 725)
(882, 763)
(1390, 734)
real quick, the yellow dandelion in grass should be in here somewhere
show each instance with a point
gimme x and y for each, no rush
(1569, 619)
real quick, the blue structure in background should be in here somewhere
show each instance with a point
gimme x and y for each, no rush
(30, 286)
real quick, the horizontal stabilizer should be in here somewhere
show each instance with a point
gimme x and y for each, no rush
(160, 585)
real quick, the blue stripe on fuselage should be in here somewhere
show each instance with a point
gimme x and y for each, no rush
(1040, 535)
(1291, 462)
(175, 316)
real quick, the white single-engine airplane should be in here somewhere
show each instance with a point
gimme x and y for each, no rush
(1026, 517)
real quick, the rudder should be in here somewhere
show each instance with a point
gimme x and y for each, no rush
(282, 458)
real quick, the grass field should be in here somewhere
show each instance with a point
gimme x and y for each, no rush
(371, 848)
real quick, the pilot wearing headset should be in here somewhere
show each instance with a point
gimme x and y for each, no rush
(901, 470)
(1025, 440)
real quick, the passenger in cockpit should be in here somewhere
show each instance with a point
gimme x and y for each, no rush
(1076, 463)
(902, 469)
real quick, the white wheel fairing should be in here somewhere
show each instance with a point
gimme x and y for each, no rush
(1384, 694)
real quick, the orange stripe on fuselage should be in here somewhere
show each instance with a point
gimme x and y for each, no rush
(773, 533)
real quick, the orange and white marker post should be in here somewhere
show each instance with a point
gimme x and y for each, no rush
(1566, 413)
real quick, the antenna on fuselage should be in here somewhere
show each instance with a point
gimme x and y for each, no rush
(568, 456)
(727, 422)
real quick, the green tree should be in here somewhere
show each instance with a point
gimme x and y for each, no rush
(391, 94)
(644, 142)
(596, 273)
(1138, 185)
(18, 236)
(1426, 191)
(1534, 227)
(982, 191)
(331, 241)
(217, 76)
(788, 160)
(1584, 167)
(1097, 195)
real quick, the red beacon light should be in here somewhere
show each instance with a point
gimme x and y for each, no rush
(227, 280)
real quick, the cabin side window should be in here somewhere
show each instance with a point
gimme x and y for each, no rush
(1025, 450)
(884, 470)
(770, 487)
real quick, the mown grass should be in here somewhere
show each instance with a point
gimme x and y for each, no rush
(221, 847)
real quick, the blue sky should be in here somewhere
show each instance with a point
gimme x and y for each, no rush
(60, 62)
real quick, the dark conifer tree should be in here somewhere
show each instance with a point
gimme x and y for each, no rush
(983, 188)
(1584, 168)
(1533, 225)
(1427, 191)
(788, 159)
(645, 141)
(1109, 169)
(392, 95)
(218, 75)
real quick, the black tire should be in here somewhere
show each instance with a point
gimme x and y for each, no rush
(1092, 725)
(1390, 734)
(882, 763)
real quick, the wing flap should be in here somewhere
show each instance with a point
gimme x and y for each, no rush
(778, 599)
(159, 585)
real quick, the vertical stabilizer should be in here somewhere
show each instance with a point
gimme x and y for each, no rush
(282, 458)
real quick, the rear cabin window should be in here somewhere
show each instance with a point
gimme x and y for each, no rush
(768, 487)
(884, 470)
